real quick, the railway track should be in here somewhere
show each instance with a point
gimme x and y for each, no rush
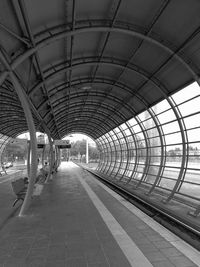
(185, 230)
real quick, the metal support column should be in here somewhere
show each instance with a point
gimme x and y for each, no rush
(58, 157)
(28, 159)
(43, 152)
(51, 160)
(33, 143)
(31, 127)
(87, 152)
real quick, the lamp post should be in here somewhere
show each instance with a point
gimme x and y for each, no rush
(87, 152)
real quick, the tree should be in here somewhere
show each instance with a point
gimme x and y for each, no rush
(79, 148)
(12, 151)
(93, 153)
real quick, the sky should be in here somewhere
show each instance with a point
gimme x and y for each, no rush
(72, 137)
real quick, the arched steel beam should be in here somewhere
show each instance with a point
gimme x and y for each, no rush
(74, 132)
(14, 124)
(81, 122)
(79, 96)
(115, 63)
(13, 133)
(88, 131)
(117, 131)
(9, 96)
(101, 115)
(90, 108)
(108, 81)
(120, 85)
(116, 99)
(63, 119)
(81, 127)
(103, 107)
(121, 28)
(163, 90)
(5, 58)
(87, 61)
(106, 147)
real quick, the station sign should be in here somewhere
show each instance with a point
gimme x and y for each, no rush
(39, 145)
(64, 146)
(62, 143)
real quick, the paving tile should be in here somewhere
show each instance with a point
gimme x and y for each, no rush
(56, 253)
(155, 237)
(37, 253)
(15, 263)
(145, 248)
(75, 234)
(19, 253)
(91, 242)
(118, 261)
(163, 264)
(4, 258)
(57, 238)
(24, 243)
(78, 262)
(55, 263)
(34, 262)
(99, 264)
(75, 250)
(41, 243)
(171, 252)
(141, 241)
(181, 261)
(162, 244)
(95, 255)
(155, 256)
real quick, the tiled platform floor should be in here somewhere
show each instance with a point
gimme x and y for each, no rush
(77, 222)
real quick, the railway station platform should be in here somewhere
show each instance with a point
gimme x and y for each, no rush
(79, 222)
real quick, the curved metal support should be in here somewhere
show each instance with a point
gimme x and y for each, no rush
(28, 158)
(51, 161)
(122, 29)
(99, 145)
(113, 154)
(33, 143)
(161, 137)
(148, 155)
(57, 153)
(120, 154)
(43, 153)
(136, 152)
(184, 158)
(127, 159)
(108, 152)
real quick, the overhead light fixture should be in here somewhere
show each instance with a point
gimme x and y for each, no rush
(86, 87)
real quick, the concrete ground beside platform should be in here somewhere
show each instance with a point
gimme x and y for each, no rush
(77, 221)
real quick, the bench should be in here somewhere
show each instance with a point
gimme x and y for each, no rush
(2, 169)
(44, 172)
(19, 188)
(41, 177)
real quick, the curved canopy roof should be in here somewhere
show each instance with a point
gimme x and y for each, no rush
(88, 66)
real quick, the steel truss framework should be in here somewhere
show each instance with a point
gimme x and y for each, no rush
(111, 69)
